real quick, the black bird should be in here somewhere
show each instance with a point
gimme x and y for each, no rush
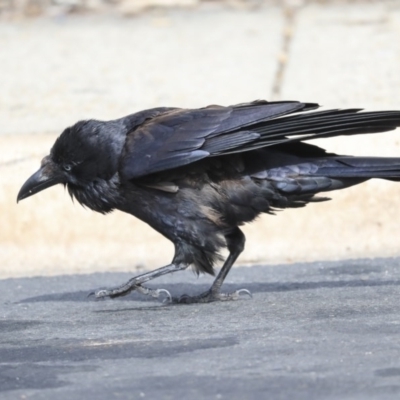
(196, 175)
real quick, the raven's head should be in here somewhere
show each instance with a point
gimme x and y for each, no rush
(83, 153)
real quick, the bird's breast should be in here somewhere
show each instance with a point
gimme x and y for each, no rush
(100, 196)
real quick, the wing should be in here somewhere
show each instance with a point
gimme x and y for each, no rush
(179, 137)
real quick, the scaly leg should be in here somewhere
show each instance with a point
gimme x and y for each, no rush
(136, 283)
(235, 243)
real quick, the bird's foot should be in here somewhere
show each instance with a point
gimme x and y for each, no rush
(212, 295)
(155, 293)
(118, 291)
(129, 287)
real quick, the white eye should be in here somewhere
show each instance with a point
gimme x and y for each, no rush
(67, 167)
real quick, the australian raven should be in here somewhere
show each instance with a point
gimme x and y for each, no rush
(197, 175)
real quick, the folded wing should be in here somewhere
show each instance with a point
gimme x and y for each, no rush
(180, 137)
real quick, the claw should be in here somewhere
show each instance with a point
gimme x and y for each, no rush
(209, 296)
(168, 299)
(245, 291)
(96, 295)
(183, 299)
(102, 293)
(154, 292)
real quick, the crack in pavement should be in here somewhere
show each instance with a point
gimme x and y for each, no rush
(290, 10)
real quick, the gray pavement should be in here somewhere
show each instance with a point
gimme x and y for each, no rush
(312, 331)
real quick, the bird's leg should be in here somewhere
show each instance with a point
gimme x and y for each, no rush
(136, 283)
(235, 243)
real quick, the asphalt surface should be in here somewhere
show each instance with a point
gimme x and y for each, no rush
(311, 331)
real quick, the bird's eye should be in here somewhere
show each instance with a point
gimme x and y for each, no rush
(67, 167)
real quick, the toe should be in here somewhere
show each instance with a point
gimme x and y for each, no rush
(168, 299)
(244, 291)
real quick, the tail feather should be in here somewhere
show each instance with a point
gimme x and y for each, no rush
(361, 167)
(325, 134)
(297, 127)
(337, 122)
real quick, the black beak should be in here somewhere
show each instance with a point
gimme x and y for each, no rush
(40, 180)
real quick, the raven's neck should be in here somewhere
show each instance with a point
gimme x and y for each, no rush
(99, 195)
